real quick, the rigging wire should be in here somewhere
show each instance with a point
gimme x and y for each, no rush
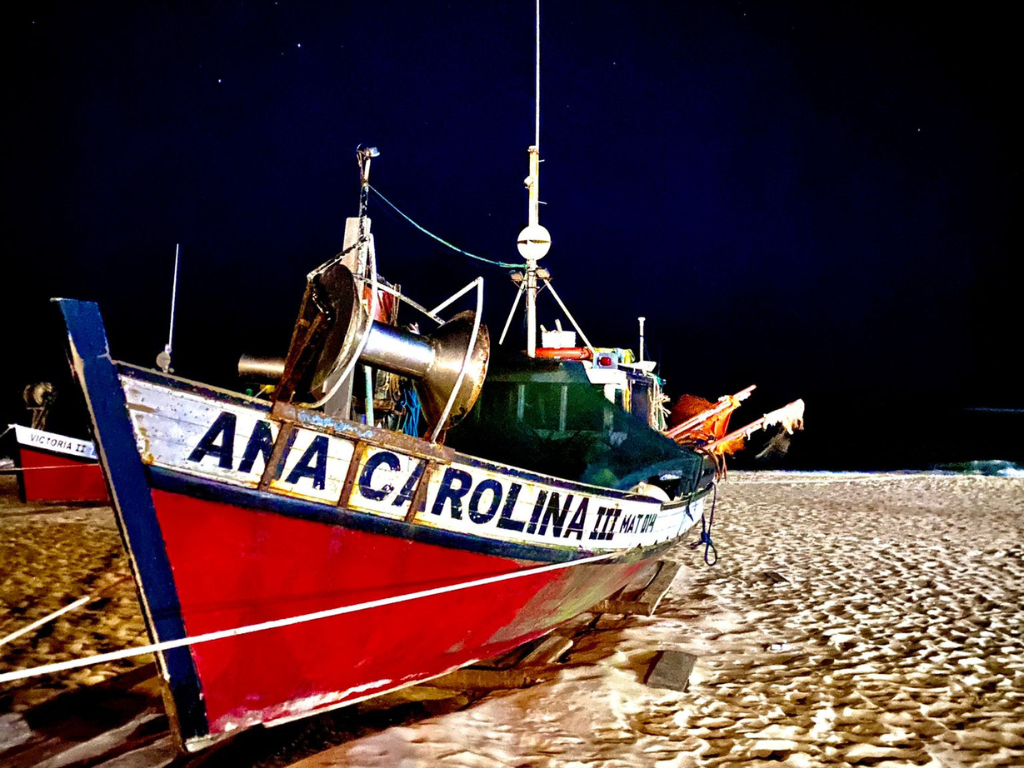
(501, 264)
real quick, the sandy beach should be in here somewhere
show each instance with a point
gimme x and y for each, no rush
(851, 620)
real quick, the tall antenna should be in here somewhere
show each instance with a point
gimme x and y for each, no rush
(163, 360)
(534, 240)
(536, 124)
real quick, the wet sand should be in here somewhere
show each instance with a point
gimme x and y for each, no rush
(851, 620)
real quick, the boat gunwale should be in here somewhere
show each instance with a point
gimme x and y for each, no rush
(383, 438)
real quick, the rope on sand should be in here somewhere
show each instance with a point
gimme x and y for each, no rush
(60, 612)
(45, 620)
(126, 653)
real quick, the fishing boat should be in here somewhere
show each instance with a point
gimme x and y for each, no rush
(390, 505)
(56, 468)
(305, 548)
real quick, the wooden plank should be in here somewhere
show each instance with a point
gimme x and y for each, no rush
(488, 679)
(350, 477)
(660, 586)
(162, 753)
(92, 723)
(671, 669)
(548, 652)
(620, 601)
(419, 497)
(643, 602)
(275, 466)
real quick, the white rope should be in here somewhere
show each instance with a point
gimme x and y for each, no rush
(55, 466)
(61, 611)
(125, 653)
(46, 619)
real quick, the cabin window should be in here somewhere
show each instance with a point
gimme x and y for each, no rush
(640, 402)
(582, 413)
(542, 406)
(564, 426)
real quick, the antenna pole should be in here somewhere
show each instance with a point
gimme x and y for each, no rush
(536, 125)
(641, 319)
(531, 264)
(534, 213)
(364, 155)
(163, 360)
(533, 188)
(531, 308)
(534, 240)
(174, 296)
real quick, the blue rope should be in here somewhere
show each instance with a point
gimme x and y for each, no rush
(502, 264)
(705, 533)
(410, 403)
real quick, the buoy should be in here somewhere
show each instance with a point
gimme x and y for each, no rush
(564, 353)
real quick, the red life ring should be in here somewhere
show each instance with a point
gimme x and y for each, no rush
(564, 353)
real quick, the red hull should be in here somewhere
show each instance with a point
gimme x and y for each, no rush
(357, 560)
(56, 477)
(234, 567)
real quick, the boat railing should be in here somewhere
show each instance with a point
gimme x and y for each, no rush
(431, 313)
(479, 285)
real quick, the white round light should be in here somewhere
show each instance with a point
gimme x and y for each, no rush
(534, 242)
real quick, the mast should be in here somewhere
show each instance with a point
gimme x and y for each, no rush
(365, 155)
(534, 240)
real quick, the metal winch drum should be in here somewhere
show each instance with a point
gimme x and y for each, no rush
(433, 360)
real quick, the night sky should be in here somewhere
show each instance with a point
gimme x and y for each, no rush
(819, 198)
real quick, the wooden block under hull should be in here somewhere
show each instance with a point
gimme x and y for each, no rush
(643, 602)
